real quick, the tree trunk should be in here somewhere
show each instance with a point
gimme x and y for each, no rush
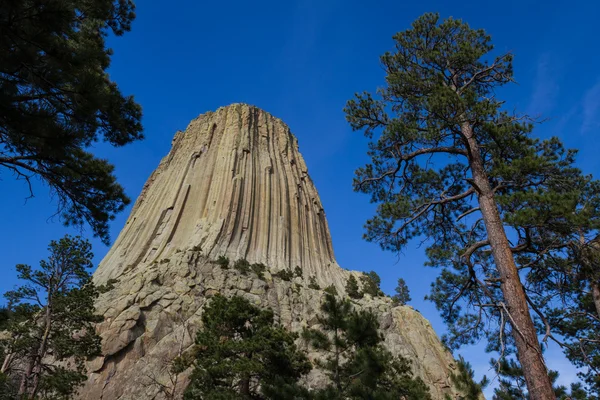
(7, 361)
(245, 387)
(25, 377)
(41, 352)
(523, 329)
(596, 296)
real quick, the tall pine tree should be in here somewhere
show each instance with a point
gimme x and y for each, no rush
(449, 164)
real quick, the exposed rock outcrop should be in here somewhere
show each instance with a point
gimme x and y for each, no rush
(234, 184)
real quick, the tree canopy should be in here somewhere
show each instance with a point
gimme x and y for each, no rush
(357, 364)
(240, 353)
(402, 295)
(57, 100)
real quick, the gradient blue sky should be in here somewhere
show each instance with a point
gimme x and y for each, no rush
(301, 61)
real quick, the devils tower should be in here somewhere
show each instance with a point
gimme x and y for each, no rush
(235, 185)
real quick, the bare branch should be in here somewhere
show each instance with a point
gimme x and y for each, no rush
(482, 73)
(471, 211)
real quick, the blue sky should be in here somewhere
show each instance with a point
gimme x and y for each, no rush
(301, 61)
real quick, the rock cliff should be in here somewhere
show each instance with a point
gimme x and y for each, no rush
(234, 184)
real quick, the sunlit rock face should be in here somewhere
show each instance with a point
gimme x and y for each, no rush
(234, 184)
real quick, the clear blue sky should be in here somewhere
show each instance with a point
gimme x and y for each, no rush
(301, 61)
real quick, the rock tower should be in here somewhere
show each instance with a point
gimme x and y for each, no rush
(235, 185)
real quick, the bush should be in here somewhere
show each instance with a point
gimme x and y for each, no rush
(298, 271)
(331, 290)
(259, 270)
(223, 262)
(285, 274)
(242, 265)
(312, 283)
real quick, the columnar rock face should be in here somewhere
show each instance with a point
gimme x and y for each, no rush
(234, 184)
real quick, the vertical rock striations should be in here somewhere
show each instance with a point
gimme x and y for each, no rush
(234, 184)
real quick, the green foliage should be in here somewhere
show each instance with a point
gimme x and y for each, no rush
(108, 286)
(312, 283)
(402, 295)
(62, 384)
(242, 266)
(511, 381)
(464, 381)
(331, 290)
(52, 314)
(575, 280)
(8, 389)
(241, 354)
(371, 284)
(259, 269)
(441, 143)
(285, 274)
(58, 100)
(197, 248)
(222, 262)
(512, 384)
(5, 314)
(352, 288)
(298, 271)
(357, 364)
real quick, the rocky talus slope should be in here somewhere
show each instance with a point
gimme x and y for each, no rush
(234, 184)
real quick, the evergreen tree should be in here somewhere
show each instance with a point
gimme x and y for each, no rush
(464, 381)
(312, 283)
(571, 304)
(449, 164)
(358, 365)
(352, 288)
(402, 295)
(242, 265)
(512, 384)
(52, 319)
(241, 354)
(371, 283)
(56, 100)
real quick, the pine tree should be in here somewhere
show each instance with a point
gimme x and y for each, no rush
(357, 364)
(574, 282)
(352, 288)
(371, 283)
(512, 384)
(464, 381)
(402, 295)
(52, 319)
(450, 165)
(241, 354)
(57, 100)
